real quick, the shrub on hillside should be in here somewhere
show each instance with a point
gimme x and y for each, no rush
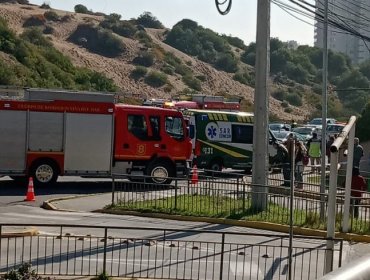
(183, 70)
(279, 94)
(284, 104)
(144, 38)
(294, 99)
(156, 79)
(97, 40)
(125, 29)
(113, 18)
(51, 15)
(201, 78)
(227, 63)
(45, 6)
(48, 30)
(248, 58)
(66, 18)
(138, 73)
(34, 35)
(171, 59)
(243, 77)
(288, 110)
(144, 59)
(192, 82)
(168, 69)
(7, 75)
(35, 20)
(148, 20)
(81, 9)
(235, 41)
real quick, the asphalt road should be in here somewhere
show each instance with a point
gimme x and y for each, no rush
(14, 209)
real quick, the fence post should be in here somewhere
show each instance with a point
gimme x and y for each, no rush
(60, 247)
(243, 196)
(113, 190)
(175, 193)
(237, 187)
(222, 255)
(105, 251)
(1, 237)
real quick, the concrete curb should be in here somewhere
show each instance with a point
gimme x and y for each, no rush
(252, 224)
(48, 204)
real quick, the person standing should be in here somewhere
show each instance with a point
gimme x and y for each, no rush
(314, 151)
(300, 152)
(328, 145)
(358, 153)
(282, 158)
(358, 186)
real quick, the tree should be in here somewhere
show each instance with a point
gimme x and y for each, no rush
(276, 44)
(279, 59)
(365, 68)
(362, 126)
(148, 20)
(337, 64)
(187, 24)
(227, 62)
(81, 9)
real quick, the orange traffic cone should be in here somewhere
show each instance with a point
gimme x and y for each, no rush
(30, 192)
(194, 177)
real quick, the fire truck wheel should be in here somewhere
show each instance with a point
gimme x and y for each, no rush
(160, 172)
(44, 173)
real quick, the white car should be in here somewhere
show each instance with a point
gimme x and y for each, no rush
(317, 122)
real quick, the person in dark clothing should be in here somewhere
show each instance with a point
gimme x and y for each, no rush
(358, 153)
(300, 152)
(358, 186)
(282, 158)
(328, 145)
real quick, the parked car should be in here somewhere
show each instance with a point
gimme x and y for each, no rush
(306, 131)
(333, 129)
(279, 126)
(282, 136)
(317, 122)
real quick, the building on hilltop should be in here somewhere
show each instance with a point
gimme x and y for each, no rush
(354, 14)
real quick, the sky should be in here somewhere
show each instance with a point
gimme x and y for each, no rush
(239, 22)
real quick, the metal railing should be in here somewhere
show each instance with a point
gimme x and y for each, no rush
(229, 196)
(163, 253)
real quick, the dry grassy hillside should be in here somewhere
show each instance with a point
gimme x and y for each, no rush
(119, 69)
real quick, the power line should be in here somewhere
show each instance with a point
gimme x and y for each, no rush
(332, 22)
(290, 10)
(220, 3)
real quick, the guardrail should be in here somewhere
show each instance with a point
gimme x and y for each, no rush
(162, 253)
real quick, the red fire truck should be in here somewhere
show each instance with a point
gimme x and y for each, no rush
(47, 133)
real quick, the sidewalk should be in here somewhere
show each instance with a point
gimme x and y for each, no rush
(89, 203)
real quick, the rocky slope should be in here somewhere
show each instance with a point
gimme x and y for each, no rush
(119, 69)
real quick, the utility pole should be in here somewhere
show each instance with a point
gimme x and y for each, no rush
(324, 111)
(261, 107)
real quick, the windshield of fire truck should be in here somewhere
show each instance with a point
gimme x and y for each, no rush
(174, 127)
